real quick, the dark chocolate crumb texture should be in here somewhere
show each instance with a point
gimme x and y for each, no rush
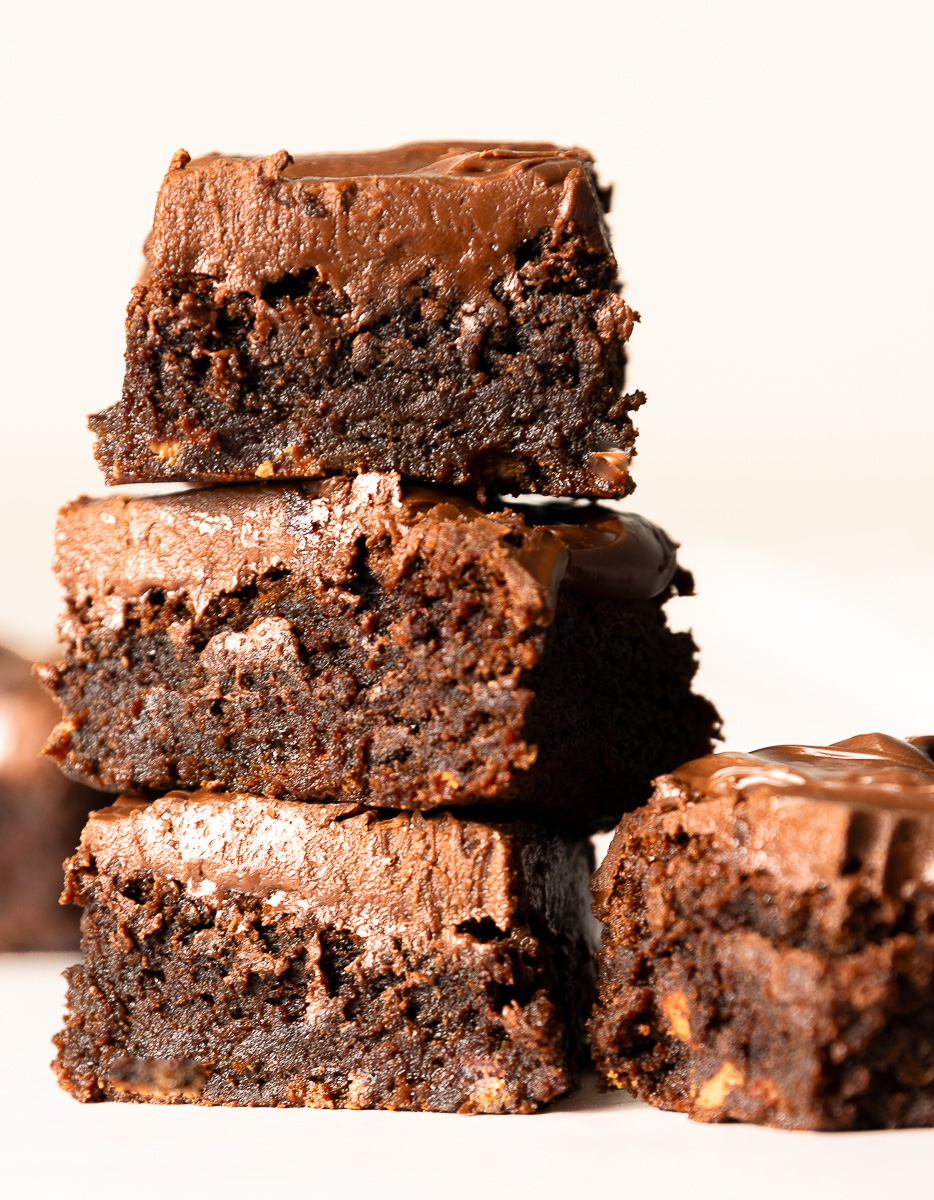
(352, 639)
(245, 951)
(449, 312)
(769, 946)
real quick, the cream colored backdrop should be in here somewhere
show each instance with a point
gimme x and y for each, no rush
(772, 218)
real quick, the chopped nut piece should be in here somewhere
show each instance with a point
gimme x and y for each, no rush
(167, 451)
(716, 1089)
(675, 1008)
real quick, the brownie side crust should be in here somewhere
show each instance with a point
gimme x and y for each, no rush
(768, 953)
(351, 640)
(376, 330)
(244, 951)
(41, 815)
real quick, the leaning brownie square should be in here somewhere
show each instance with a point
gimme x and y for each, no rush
(450, 312)
(769, 946)
(245, 951)
(360, 640)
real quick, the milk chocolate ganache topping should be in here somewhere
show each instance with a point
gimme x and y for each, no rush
(209, 541)
(373, 224)
(871, 769)
(857, 813)
(410, 870)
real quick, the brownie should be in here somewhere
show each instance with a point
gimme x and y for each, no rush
(245, 951)
(449, 312)
(41, 814)
(769, 946)
(353, 639)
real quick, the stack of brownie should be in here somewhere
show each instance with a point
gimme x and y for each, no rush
(361, 714)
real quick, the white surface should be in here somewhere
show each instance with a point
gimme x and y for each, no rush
(56, 1147)
(773, 224)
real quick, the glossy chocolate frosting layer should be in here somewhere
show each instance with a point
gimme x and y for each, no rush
(857, 813)
(457, 158)
(619, 555)
(871, 769)
(353, 867)
(210, 541)
(373, 224)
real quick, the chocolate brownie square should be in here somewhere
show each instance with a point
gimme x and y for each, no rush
(446, 311)
(359, 640)
(41, 815)
(245, 951)
(769, 946)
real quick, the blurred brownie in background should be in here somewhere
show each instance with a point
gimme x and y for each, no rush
(449, 311)
(769, 946)
(41, 815)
